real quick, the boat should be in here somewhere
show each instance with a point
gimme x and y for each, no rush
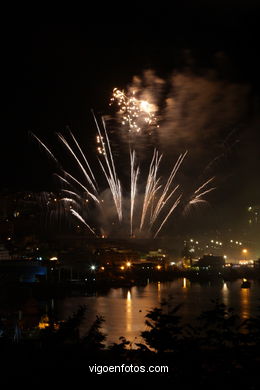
(245, 283)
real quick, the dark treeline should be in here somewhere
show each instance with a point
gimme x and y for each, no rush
(220, 351)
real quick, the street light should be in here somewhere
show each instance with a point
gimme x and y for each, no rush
(245, 251)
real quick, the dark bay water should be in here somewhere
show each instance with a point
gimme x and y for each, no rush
(124, 309)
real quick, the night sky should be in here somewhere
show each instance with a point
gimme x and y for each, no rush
(53, 75)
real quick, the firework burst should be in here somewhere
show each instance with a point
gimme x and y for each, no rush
(136, 115)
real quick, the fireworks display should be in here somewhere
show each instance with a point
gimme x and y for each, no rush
(143, 205)
(136, 115)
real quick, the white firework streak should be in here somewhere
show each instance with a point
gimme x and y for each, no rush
(84, 157)
(46, 148)
(78, 161)
(196, 196)
(82, 186)
(165, 196)
(76, 214)
(134, 176)
(168, 215)
(204, 185)
(110, 172)
(69, 200)
(72, 193)
(151, 185)
(62, 179)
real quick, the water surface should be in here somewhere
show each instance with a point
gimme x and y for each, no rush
(124, 309)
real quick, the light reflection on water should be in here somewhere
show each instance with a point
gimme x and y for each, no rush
(225, 294)
(245, 302)
(125, 309)
(128, 312)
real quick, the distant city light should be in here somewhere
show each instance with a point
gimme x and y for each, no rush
(93, 267)
(128, 264)
(246, 262)
(53, 258)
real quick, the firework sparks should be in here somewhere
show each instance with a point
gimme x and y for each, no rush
(136, 114)
(100, 148)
